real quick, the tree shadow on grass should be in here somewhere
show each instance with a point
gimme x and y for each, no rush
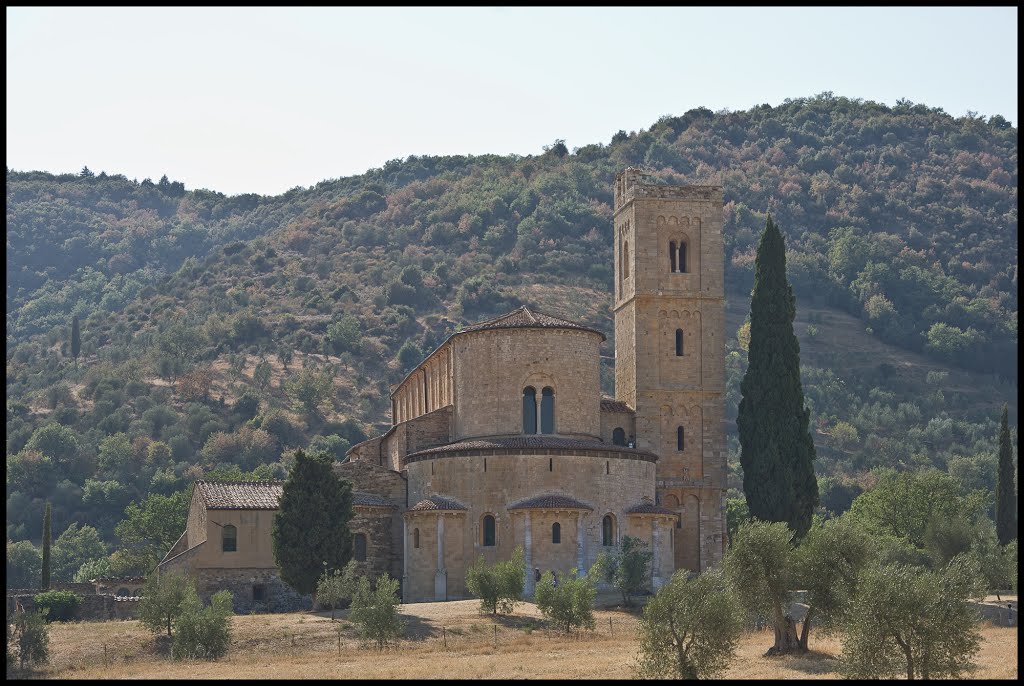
(813, 662)
(418, 629)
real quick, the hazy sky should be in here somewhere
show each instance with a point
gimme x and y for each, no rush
(265, 99)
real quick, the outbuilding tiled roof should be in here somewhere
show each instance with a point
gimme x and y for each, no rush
(551, 501)
(527, 442)
(613, 405)
(240, 495)
(524, 318)
(371, 500)
(437, 502)
(649, 508)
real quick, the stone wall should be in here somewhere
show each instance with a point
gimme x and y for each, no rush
(93, 608)
(244, 583)
(383, 541)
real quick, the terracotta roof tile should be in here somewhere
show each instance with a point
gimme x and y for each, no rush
(370, 500)
(613, 405)
(527, 442)
(437, 502)
(551, 501)
(648, 508)
(240, 495)
(524, 318)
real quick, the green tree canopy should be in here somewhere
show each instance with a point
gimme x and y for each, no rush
(75, 547)
(776, 449)
(627, 567)
(311, 525)
(499, 586)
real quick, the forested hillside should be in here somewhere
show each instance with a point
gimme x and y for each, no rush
(219, 332)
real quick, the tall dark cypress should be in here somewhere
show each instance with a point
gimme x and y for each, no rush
(776, 449)
(45, 585)
(1006, 500)
(76, 339)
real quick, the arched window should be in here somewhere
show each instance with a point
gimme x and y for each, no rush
(488, 531)
(680, 439)
(529, 410)
(547, 410)
(556, 533)
(360, 547)
(608, 530)
(415, 538)
(619, 436)
(625, 260)
(123, 592)
(679, 342)
(672, 254)
(682, 257)
(229, 539)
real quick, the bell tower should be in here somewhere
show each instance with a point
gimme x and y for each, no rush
(669, 306)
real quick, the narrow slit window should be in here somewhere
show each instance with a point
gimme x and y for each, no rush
(607, 531)
(682, 257)
(625, 260)
(556, 533)
(529, 410)
(547, 411)
(415, 538)
(672, 254)
(488, 531)
(551, 464)
(679, 342)
(680, 439)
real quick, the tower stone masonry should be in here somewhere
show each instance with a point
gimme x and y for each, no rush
(669, 305)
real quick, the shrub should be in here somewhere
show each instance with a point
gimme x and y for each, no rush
(58, 606)
(31, 637)
(203, 633)
(376, 611)
(570, 603)
(336, 587)
(500, 586)
(164, 599)
(626, 568)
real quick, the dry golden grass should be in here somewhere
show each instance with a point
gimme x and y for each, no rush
(305, 646)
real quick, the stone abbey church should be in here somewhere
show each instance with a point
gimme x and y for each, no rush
(501, 437)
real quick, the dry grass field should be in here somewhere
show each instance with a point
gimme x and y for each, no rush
(305, 646)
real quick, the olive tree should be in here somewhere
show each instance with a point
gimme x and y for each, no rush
(376, 610)
(690, 628)
(164, 598)
(500, 586)
(627, 567)
(570, 602)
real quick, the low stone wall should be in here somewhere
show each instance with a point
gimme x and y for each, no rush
(93, 608)
(244, 584)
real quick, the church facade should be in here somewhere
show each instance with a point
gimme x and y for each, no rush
(501, 437)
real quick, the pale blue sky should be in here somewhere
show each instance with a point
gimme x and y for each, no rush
(265, 99)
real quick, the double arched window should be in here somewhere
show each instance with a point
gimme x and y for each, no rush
(229, 539)
(542, 417)
(488, 531)
(608, 530)
(360, 547)
(677, 256)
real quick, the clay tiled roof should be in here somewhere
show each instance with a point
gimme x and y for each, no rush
(524, 318)
(437, 502)
(648, 508)
(552, 501)
(370, 500)
(613, 405)
(527, 443)
(240, 495)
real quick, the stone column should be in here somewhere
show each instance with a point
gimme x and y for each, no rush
(405, 560)
(656, 579)
(441, 576)
(528, 555)
(580, 553)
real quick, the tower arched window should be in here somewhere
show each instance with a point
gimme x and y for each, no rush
(679, 342)
(547, 410)
(229, 539)
(360, 547)
(619, 436)
(415, 538)
(529, 410)
(680, 438)
(608, 530)
(556, 533)
(625, 260)
(672, 254)
(488, 531)
(682, 257)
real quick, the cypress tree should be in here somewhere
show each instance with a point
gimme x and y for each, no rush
(1006, 500)
(311, 531)
(776, 449)
(76, 339)
(45, 585)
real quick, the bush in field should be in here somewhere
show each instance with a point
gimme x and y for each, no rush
(690, 628)
(164, 598)
(203, 633)
(376, 611)
(499, 587)
(335, 587)
(570, 603)
(29, 635)
(58, 606)
(627, 567)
